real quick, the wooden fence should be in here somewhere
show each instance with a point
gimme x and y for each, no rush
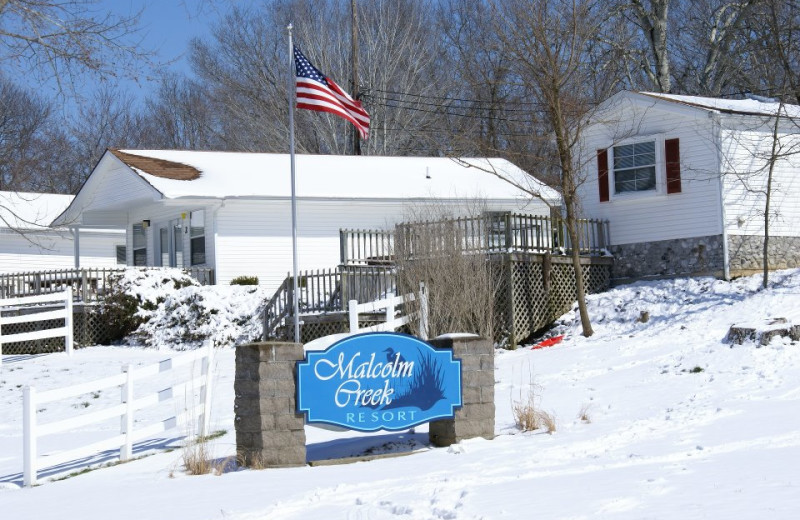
(128, 405)
(38, 313)
(326, 290)
(487, 233)
(86, 284)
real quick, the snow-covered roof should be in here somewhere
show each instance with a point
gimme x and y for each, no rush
(177, 173)
(755, 106)
(30, 211)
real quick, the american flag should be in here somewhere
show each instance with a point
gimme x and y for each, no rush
(316, 92)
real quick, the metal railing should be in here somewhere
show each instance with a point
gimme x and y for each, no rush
(487, 233)
(87, 284)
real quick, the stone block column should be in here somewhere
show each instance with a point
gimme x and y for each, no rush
(269, 431)
(476, 416)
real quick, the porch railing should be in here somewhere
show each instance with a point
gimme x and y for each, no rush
(487, 233)
(327, 290)
(87, 284)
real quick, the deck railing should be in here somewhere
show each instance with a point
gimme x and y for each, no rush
(86, 283)
(327, 290)
(487, 233)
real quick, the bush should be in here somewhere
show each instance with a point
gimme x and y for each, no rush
(245, 280)
(133, 296)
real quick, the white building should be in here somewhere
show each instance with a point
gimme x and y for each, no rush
(28, 243)
(681, 180)
(232, 211)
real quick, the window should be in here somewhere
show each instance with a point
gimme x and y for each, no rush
(635, 167)
(197, 237)
(122, 252)
(139, 245)
(643, 167)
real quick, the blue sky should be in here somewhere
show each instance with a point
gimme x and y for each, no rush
(167, 27)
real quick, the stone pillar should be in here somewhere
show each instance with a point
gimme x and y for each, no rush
(476, 416)
(269, 431)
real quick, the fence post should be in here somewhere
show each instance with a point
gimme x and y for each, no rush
(29, 436)
(126, 450)
(84, 284)
(206, 393)
(423, 312)
(69, 336)
(389, 312)
(352, 311)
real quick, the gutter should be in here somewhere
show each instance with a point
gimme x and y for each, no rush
(716, 132)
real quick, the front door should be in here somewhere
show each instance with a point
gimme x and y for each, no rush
(170, 241)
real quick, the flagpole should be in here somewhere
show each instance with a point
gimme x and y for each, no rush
(295, 302)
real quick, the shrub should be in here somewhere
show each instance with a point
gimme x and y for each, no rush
(134, 294)
(245, 280)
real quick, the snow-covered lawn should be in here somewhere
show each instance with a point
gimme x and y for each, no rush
(680, 426)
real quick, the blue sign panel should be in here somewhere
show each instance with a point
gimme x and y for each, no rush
(378, 381)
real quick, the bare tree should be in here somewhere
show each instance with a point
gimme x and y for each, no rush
(652, 17)
(549, 41)
(711, 38)
(24, 120)
(65, 39)
(178, 116)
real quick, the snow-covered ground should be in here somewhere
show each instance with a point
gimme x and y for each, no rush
(680, 425)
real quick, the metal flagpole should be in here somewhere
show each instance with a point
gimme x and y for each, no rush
(295, 303)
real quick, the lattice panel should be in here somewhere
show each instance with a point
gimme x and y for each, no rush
(523, 306)
(38, 346)
(90, 326)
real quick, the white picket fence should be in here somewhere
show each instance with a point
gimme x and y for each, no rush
(389, 305)
(64, 298)
(197, 415)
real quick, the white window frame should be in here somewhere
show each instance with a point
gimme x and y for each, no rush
(134, 249)
(660, 164)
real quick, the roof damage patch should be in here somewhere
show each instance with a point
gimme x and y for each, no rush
(158, 167)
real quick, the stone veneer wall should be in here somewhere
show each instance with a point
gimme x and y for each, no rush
(746, 251)
(665, 258)
(269, 431)
(475, 418)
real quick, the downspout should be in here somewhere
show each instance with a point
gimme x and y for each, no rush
(75, 231)
(717, 138)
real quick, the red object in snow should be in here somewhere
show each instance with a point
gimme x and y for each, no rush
(549, 342)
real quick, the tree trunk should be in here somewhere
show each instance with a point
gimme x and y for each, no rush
(772, 159)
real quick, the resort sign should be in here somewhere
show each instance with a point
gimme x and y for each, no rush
(378, 381)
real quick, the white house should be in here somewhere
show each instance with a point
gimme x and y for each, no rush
(28, 243)
(232, 211)
(682, 181)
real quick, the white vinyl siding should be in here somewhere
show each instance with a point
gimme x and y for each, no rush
(654, 216)
(55, 250)
(254, 238)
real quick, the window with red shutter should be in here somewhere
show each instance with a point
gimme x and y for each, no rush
(602, 174)
(672, 157)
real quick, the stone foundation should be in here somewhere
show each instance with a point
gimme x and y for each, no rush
(746, 252)
(668, 258)
(476, 416)
(269, 432)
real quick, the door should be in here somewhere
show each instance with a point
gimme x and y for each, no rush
(170, 241)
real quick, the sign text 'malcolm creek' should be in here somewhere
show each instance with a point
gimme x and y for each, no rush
(377, 381)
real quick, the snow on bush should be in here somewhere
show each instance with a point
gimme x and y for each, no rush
(173, 310)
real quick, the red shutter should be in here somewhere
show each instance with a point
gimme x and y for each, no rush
(672, 154)
(602, 173)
